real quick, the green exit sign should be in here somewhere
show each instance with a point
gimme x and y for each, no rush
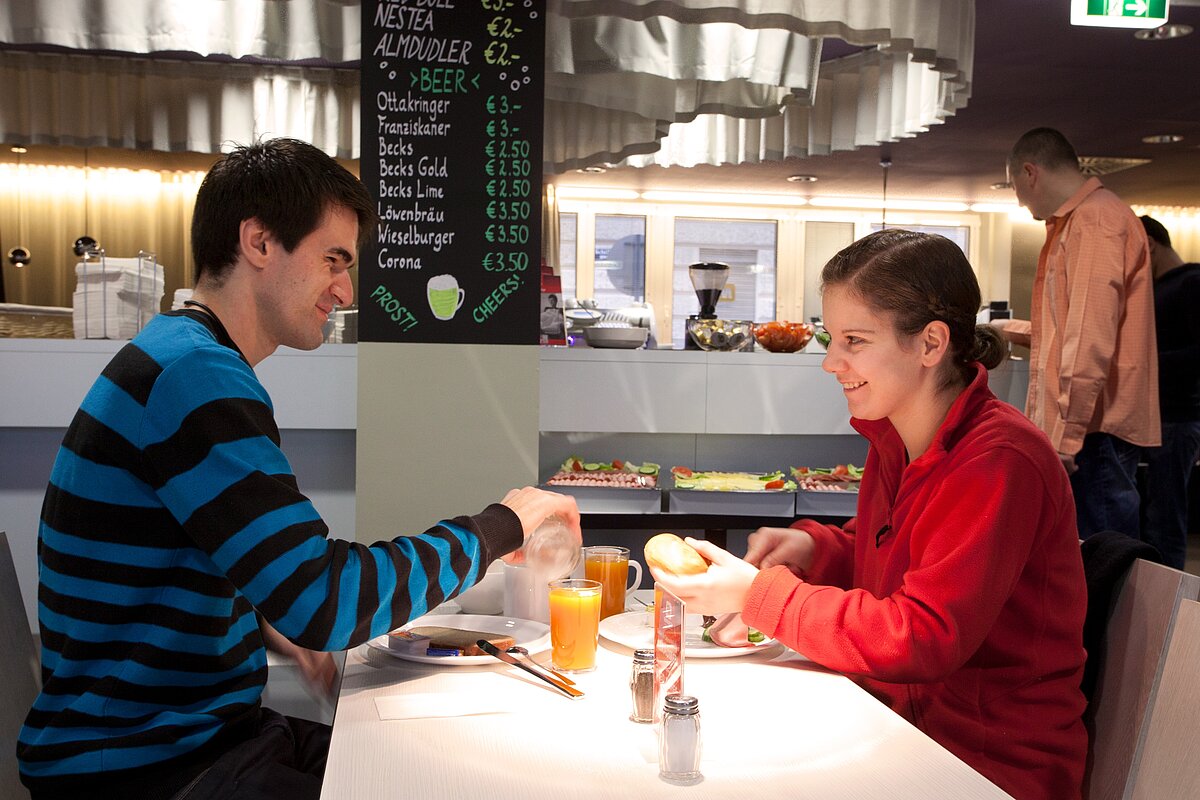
(1119, 13)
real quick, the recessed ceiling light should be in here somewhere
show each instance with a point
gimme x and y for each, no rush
(19, 150)
(592, 170)
(1171, 30)
(1001, 185)
(802, 178)
(1162, 138)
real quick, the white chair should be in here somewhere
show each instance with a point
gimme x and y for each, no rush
(1167, 761)
(19, 672)
(1135, 645)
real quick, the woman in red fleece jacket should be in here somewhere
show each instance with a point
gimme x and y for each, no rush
(957, 593)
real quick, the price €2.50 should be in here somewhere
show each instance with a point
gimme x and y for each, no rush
(509, 187)
(508, 148)
(507, 167)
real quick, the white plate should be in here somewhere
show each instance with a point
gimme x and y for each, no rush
(533, 636)
(635, 629)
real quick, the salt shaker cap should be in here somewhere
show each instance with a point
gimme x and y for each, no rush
(682, 705)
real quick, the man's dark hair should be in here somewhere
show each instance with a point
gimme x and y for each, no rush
(286, 184)
(1156, 231)
(1045, 147)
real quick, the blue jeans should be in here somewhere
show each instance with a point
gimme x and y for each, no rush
(1105, 486)
(1168, 469)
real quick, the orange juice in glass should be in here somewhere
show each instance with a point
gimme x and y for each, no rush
(610, 566)
(574, 623)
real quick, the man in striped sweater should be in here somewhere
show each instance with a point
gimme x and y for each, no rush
(174, 538)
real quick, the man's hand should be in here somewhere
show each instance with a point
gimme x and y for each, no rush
(317, 669)
(769, 547)
(1068, 463)
(533, 505)
(723, 588)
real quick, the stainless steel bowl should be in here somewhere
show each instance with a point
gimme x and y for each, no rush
(625, 338)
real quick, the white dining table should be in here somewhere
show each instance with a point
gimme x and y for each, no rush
(772, 725)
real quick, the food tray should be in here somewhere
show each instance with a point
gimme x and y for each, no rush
(611, 499)
(777, 503)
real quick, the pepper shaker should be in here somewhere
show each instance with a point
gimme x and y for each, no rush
(641, 685)
(679, 744)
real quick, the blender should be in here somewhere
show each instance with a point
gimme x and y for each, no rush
(708, 279)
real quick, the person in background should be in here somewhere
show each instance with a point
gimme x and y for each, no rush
(1093, 383)
(1169, 467)
(957, 593)
(174, 540)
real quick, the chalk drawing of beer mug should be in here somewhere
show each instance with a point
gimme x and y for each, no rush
(445, 298)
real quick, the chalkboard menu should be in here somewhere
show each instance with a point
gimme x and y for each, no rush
(452, 151)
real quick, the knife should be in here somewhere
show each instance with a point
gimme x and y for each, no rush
(492, 650)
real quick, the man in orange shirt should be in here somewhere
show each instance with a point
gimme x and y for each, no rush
(1093, 376)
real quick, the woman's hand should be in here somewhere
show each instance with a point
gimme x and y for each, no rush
(770, 547)
(723, 588)
(533, 505)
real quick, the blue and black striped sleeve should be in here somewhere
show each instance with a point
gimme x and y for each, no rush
(212, 453)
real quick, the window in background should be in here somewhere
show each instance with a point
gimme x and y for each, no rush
(749, 250)
(568, 232)
(620, 276)
(822, 241)
(959, 234)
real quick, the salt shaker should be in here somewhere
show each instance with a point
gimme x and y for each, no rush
(550, 550)
(679, 744)
(641, 685)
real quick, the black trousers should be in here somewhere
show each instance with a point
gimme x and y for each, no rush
(286, 760)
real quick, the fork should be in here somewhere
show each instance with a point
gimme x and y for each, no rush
(521, 651)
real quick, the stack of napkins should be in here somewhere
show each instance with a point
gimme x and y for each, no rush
(115, 297)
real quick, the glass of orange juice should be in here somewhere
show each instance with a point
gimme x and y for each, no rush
(574, 623)
(610, 566)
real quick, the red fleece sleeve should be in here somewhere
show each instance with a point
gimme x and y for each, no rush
(833, 559)
(968, 547)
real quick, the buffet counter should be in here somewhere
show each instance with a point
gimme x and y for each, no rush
(688, 391)
(580, 389)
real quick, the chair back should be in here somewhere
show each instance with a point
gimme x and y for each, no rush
(1131, 658)
(1167, 763)
(19, 672)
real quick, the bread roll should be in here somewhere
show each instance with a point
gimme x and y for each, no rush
(673, 555)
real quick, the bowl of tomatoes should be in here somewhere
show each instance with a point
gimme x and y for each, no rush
(783, 337)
